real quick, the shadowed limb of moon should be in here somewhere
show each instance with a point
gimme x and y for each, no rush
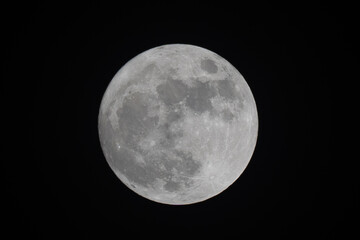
(178, 124)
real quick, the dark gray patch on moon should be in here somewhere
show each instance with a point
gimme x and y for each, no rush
(199, 97)
(174, 116)
(134, 122)
(171, 186)
(148, 69)
(128, 166)
(227, 115)
(227, 89)
(209, 66)
(188, 165)
(168, 162)
(169, 135)
(172, 91)
(185, 167)
(174, 162)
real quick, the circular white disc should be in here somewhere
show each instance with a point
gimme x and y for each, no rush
(178, 124)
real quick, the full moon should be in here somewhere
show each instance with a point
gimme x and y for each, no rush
(178, 124)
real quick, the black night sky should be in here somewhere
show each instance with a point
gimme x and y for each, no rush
(60, 59)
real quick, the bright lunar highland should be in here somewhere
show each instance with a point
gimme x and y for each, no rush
(178, 124)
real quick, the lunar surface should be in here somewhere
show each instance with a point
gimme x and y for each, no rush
(178, 124)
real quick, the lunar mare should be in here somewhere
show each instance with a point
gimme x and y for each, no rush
(178, 124)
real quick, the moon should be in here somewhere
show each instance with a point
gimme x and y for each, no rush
(178, 124)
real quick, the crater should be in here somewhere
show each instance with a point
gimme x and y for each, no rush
(209, 66)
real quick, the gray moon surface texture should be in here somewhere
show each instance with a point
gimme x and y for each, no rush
(178, 124)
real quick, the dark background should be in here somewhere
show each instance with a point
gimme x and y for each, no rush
(60, 59)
